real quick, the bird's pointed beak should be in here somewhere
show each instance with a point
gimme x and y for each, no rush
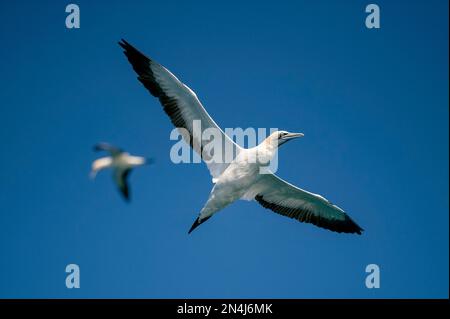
(291, 136)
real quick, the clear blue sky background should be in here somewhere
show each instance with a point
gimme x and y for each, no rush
(372, 103)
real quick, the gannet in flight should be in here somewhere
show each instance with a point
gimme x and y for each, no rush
(240, 178)
(121, 162)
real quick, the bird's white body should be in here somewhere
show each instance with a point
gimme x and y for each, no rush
(121, 162)
(126, 160)
(239, 177)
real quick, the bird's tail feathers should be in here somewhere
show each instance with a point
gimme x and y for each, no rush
(198, 222)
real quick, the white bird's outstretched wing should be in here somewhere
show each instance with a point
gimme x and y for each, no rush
(182, 106)
(286, 199)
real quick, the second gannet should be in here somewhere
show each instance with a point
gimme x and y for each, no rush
(121, 162)
(241, 177)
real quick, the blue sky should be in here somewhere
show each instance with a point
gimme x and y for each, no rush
(373, 105)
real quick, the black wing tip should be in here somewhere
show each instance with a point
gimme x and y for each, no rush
(197, 223)
(125, 195)
(101, 146)
(107, 147)
(346, 226)
(130, 50)
(124, 44)
(96, 148)
(351, 227)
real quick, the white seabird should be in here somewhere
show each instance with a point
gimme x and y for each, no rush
(240, 178)
(121, 162)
